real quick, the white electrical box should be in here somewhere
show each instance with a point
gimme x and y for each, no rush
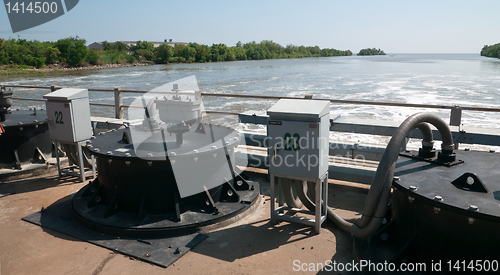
(298, 134)
(68, 114)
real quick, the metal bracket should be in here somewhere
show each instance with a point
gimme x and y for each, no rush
(112, 207)
(470, 182)
(435, 160)
(125, 138)
(17, 165)
(228, 193)
(210, 201)
(201, 129)
(39, 157)
(241, 184)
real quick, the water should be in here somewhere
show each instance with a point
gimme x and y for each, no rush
(448, 79)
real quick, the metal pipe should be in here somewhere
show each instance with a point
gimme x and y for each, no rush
(376, 203)
(427, 138)
(288, 188)
(301, 187)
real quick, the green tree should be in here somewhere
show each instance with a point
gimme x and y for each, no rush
(163, 53)
(51, 55)
(372, 51)
(202, 52)
(4, 52)
(117, 46)
(491, 51)
(218, 52)
(188, 53)
(143, 50)
(72, 50)
(92, 57)
(240, 53)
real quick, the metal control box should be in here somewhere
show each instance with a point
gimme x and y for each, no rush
(68, 113)
(298, 134)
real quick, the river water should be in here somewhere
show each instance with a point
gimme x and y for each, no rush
(448, 79)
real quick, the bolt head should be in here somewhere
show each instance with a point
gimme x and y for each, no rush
(438, 198)
(473, 207)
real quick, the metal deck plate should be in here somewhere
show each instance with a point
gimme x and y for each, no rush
(434, 180)
(159, 251)
(26, 117)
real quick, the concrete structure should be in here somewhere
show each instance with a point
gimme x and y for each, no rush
(156, 44)
(99, 45)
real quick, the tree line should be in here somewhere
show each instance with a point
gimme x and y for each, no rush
(491, 51)
(371, 51)
(73, 52)
(194, 52)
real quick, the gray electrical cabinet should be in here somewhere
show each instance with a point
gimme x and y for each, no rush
(68, 114)
(298, 134)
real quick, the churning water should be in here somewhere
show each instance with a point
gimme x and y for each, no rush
(445, 79)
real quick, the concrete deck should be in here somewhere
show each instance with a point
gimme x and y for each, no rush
(249, 246)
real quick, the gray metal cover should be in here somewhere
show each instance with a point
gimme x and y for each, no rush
(68, 113)
(298, 132)
(67, 94)
(297, 109)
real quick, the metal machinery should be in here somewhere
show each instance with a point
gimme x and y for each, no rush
(440, 211)
(25, 145)
(298, 150)
(164, 178)
(444, 207)
(422, 207)
(68, 115)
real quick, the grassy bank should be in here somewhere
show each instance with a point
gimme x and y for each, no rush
(18, 70)
(27, 70)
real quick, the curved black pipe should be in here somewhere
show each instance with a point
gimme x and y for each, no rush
(378, 196)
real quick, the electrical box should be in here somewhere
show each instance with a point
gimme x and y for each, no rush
(298, 134)
(68, 114)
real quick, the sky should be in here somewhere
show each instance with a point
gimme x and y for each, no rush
(421, 26)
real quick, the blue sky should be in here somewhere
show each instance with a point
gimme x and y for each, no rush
(394, 26)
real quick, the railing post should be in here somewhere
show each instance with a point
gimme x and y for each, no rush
(53, 88)
(118, 103)
(456, 116)
(456, 119)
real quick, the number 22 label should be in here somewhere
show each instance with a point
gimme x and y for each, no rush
(59, 117)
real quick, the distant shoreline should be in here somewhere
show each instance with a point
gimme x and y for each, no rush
(6, 70)
(52, 68)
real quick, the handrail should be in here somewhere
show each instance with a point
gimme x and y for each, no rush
(123, 106)
(359, 102)
(119, 104)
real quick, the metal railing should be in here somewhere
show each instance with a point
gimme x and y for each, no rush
(456, 111)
